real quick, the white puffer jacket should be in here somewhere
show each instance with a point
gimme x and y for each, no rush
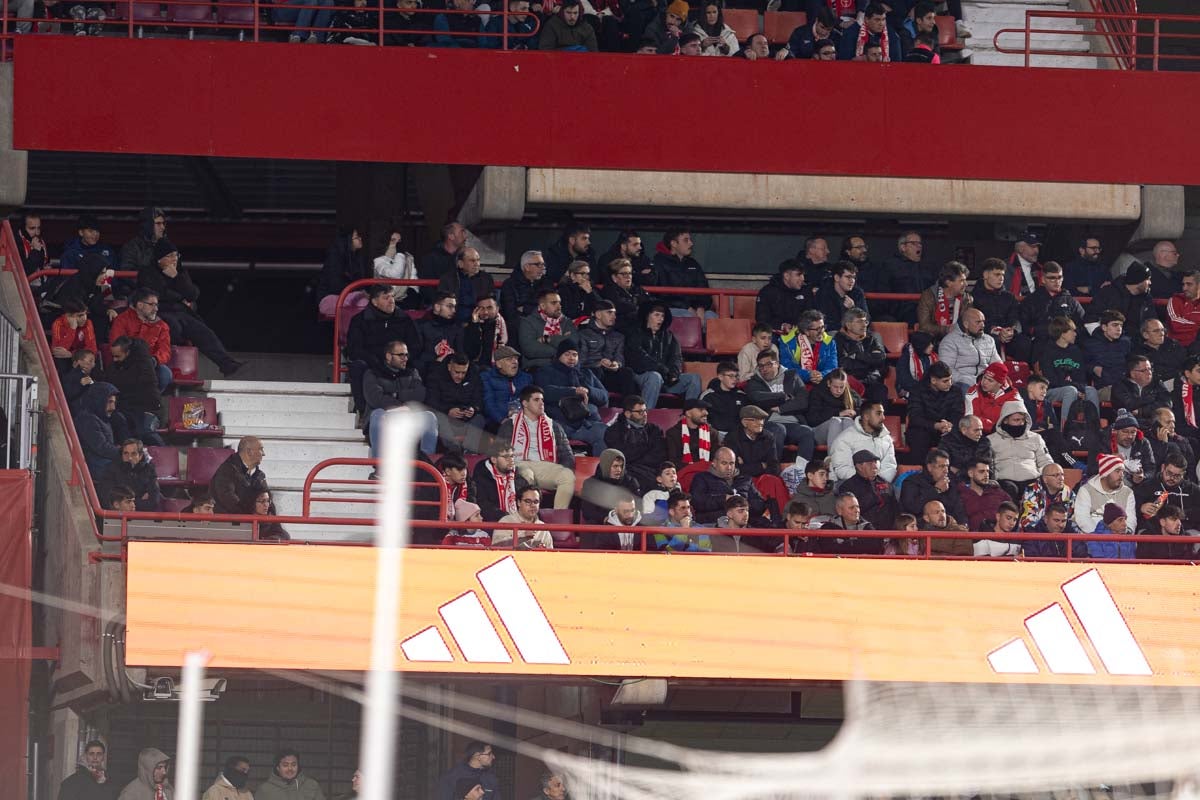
(1020, 458)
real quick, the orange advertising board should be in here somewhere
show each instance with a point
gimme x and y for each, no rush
(621, 615)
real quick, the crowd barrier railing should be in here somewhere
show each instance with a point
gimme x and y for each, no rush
(1122, 31)
(131, 17)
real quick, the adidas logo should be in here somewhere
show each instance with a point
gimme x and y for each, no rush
(475, 635)
(1061, 649)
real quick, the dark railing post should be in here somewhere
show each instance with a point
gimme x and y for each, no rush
(1157, 31)
(257, 14)
(129, 19)
(504, 29)
(1027, 43)
(381, 23)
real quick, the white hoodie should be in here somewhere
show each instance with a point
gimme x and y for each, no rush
(628, 540)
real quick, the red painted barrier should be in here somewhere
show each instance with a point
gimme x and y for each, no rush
(205, 106)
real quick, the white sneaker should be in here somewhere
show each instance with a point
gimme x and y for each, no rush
(293, 38)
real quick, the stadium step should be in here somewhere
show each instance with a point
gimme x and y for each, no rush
(303, 420)
(986, 18)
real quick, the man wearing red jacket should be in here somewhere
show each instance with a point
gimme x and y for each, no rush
(1183, 310)
(988, 396)
(140, 321)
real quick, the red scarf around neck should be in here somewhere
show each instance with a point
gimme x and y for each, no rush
(533, 439)
(553, 325)
(1189, 406)
(685, 436)
(945, 311)
(506, 490)
(864, 36)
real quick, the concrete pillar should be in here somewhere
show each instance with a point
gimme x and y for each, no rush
(14, 164)
(1163, 214)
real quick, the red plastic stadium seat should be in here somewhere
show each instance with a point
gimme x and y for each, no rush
(235, 14)
(174, 504)
(166, 465)
(948, 34)
(894, 336)
(563, 540)
(185, 366)
(175, 417)
(609, 413)
(707, 370)
(141, 12)
(585, 467)
(893, 428)
(202, 462)
(473, 459)
(744, 307)
(744, 22)
(725, 337)
(778, 25)
(1073, 477)
(183, 11)
(690, 333)
(348, 313)
(663, 417)
(465, 541)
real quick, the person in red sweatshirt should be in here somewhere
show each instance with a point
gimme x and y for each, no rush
(988, 396)
(141, 321)
(72, 331)
(1183, 310)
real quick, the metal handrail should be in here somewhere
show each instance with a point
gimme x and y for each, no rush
(438, 482)
(1127, 29)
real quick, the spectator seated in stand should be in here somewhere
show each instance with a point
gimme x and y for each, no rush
(354, 25)
(540, 446)
(132, 372)
(457, 29)
(693, 440)
(567, 30)
(942, 304)
(1114, 521)
(988, 397)
(675, 267)
(785, 297)
(867, 433)
(999, 308)
(1045, 421)
(922, 21)
(484, 332)
(268, 531)
(753, 446)
(679, 515)
(1140, 391)
(134, 471)
(934, 409)
(862, 356)
(370, 335)
(496, 481)
(578, 294)
(529, 499)
(91, 286)
(467, 282)
(395, 384)
(1057, 519)
(610, 484)
(455, 393)
(981, 497)
(141, 321)
(832, 407)
(643, 442)
(761, 338)
(202, 502)
(873, 29)
(623, 292)
(1130, 295)
(782, 394)
(808, 348)
(1062, 363)
(1165, 355)
(816, 492)
(915, 359)
(967, 350)
(721, 480)
(122, 500)
(544, 330)
(502, 385)
(654, 501)
(78, 378)
(820, 27)
(1169, 486)
(94, 425)
(1183, 310)
(71, 332)
(848, 518)
(716, 38)
(1019, 453)
(924, 50)
(839, 292)
(1126, 440)
(440, 333)
(624, 516)
(932, 483)
(573, 396)
(725, 398)
(521, 293)
(86, 242)
(964, 443)
(1005, 522)
(935, 518)
(1107, 486)
(876, 501)
(1087, 273)
(521, 34)
(1106, 350)
(27, 229)
(237, 483)
(1048, 301)
(1166, 523)
(1164, 440)
(345, 263)
(653, 350)
(575, 245)
(458, 484)
(602, 351)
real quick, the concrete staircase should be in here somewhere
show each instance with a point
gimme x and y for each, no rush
(300, 424)
(986, 17)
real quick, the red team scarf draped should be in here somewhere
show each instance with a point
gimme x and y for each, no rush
(914, 362)
(1189, 407)
(685, 436)
(808, 354)
(506, 490)
(864, 35)
(946, 312)
(553, 326)
(843, 8)
(541, 441)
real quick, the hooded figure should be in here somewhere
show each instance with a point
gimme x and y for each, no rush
(93, 425)
(601, 492)
(1018, 452)
(152, 763)
(138, 252)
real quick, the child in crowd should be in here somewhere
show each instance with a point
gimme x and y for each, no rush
(202, 503)
(1114, 522)
(905, 546)
(71, 331)
(761, 338)
(915, 358)
(1045, 421)
(468, 514)
(654, 502)
(78, 378)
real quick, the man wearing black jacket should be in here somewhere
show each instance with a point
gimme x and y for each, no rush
(455, 392)
(441, 333)
(905, 272)
(999, 307)
(628, 246)
(479, 336)
(1049, 301)
(783, 394)
(642, 442)
(574, 245)
(177, 297)
(30, 245)
(625, 295)
(390, 386)
(1172, 481)
(754, 447)
(1140, 391)
(785, 297)
(861, 354)
(934, 409)
(674, 266)
(653, 352)
(1165, 354)
(369, 334)
(1129, 294)
(876, 501)
(519, 293)
(725, 399)
(140, 401)
(932, 483)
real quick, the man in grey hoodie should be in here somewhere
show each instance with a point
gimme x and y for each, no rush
(151, 782)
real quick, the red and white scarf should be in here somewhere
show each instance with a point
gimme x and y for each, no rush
(553, 325)
(843, 8)
(864, 36)
(945, 312)
(685, 436)
(506, 489)
(538, 443)
(1189, 406)
(914, 362)
(808, 353)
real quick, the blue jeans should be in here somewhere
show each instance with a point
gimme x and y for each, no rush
(304, 18)
(164, 376)
(429, 438)
(651, 384)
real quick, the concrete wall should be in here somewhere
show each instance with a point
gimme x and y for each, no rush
(14, 167)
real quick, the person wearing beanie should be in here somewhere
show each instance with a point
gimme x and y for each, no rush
(567, 30)
(990, 395)
(178, 301)
(967, 350)
(1127, 441)
(1129, 294)
(1112, 521)
(1020, 454)
(667, 29)
(466, 514)
(574, 396)
(1061, 362)
(1107, 486)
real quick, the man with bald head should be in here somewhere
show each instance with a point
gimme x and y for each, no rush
(467, 282)
(1165, 277)
(934, 518)
(968, 350)
(239, 480)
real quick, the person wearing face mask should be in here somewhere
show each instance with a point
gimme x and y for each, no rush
(287, 782)
(1020, 454)
(231, 783)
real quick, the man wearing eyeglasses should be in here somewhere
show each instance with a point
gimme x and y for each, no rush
(1172, 482)
(141, 321)
(905, 272)
(1140, 391)
(1087, 273)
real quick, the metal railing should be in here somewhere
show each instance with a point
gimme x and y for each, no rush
(133, 17)
(1123, 32)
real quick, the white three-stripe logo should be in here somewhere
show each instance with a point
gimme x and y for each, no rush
(1061, 649)
(472, 629)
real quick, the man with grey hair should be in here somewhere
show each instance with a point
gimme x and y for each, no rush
(966, 443)
(862, 355)
(904, 271)
(1165, 277)
(519, 293)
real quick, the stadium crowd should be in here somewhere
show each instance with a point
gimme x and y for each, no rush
(1006, 385)
(900, 30)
